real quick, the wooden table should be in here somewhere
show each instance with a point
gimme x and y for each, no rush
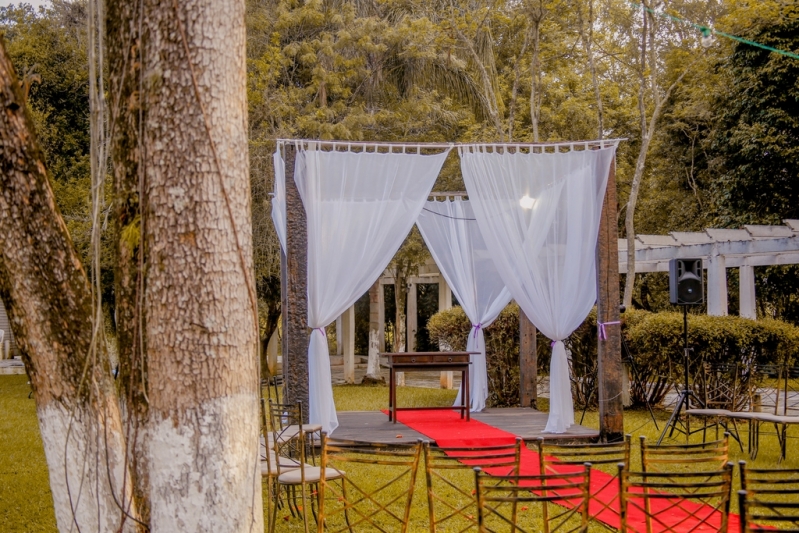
(428, 361)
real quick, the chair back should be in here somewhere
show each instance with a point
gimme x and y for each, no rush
(288, 441)
(727, 386)
(562, 458)
(266, 436)
(377, 489)
(675, 502)
(499, 499)
(449, 476)
(769, 499)
(706, 456)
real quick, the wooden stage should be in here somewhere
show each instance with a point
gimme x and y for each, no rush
(373, 426)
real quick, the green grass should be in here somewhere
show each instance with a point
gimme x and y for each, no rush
(26, 503)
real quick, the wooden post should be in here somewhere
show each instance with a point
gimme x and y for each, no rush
(444, 303)
(528, 363)
(411, 317)
(348, 343)
(294, 285)
(611, 410)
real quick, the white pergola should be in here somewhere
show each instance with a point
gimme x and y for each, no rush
(720, 249)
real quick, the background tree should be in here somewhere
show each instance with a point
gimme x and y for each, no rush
(49, 302)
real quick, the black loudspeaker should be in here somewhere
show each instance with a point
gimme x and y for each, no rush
(686, 285)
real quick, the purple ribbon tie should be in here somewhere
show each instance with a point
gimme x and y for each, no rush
(552, 344)
(602, 333)
(321, 330)
(476, 328)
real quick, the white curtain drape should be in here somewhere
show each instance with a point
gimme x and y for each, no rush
(359, 207)
(279, 199)
(539, 214)
(457, 246)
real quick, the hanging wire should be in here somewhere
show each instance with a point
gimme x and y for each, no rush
(707, 31)
(446, 216)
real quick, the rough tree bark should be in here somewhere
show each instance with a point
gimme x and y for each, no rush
(294, 279)
(124, 46)
(199, 301)
(49, 303)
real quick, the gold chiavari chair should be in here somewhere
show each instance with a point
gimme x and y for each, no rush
(286, 420)
(769, 499)
(563, 500)
(381, 498)
(710, 456)
(567, 457)
(448, 473)
(293, 472)
(675, 502)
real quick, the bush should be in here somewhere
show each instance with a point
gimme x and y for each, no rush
(451, 330)
(655, 344)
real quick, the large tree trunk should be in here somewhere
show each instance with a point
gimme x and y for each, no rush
(49, 303)
(124, 46)
(201, 328)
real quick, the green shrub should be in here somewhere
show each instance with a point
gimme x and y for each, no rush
(451, 330)
(656, 345)
(654, 341)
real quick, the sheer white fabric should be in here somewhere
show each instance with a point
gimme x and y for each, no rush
(458, 248)
(539, 214)
(359, 207)
(279, 199)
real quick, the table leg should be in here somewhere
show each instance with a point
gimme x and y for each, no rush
(390, 394)
(466, 398)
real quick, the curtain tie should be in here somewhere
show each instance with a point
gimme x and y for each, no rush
(603, 335)
(476, 328)
(552, 344)
(321, 330)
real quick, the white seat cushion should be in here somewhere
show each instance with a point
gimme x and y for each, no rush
(312, 475)
(709, 412)
(286, 465)
(753, 415)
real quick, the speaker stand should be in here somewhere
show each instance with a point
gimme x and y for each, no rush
(685, 395)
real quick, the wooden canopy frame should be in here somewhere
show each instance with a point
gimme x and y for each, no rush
(294, 291)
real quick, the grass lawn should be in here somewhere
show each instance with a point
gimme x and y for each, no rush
(26, 504)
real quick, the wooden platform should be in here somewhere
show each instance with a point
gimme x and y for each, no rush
(373, 426)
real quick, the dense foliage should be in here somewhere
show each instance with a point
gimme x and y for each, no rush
(722, 153)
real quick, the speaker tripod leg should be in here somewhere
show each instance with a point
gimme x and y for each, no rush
(674, 417)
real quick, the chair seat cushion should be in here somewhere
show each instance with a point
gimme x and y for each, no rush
(753, 415)
(709, 412)
(291, 432)
(270, 468)
(312, 475)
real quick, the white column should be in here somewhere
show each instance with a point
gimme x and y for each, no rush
(348, 342)
(381, 317)
(444, 303)
(411, 318)
(746, 288)
(716, 286)
(271, 353)
(339, 337)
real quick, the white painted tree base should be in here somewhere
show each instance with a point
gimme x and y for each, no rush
(205, 475)
(81, 454)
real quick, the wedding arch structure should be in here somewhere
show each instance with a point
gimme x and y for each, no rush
(547, 212)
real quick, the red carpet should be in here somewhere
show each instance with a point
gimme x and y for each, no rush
(447, 429)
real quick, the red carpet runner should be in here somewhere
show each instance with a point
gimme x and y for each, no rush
(447, 429)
